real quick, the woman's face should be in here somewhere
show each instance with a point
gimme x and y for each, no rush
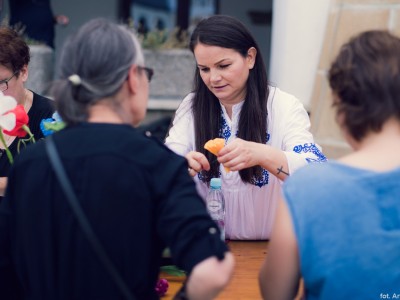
(224, 71)
(15, 84)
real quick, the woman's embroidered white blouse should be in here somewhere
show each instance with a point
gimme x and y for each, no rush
(250, 208)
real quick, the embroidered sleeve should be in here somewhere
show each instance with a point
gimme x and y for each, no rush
(310, 149)
(180, 136)
(298, 142)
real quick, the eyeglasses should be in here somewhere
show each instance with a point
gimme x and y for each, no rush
(149, 72)
(4, 83)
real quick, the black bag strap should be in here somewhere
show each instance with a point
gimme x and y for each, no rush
(82, 219)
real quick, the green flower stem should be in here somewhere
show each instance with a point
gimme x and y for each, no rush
(173, 270)
(31, 137)
(9, 155)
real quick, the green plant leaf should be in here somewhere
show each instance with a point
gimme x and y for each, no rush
(164, 39)
(173, 270)
(54, 126)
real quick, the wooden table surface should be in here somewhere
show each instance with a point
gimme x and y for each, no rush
(249, 256)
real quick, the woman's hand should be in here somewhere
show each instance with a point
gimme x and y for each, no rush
(197, 161)
(240, 154)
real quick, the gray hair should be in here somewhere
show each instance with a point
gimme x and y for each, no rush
(94, 64)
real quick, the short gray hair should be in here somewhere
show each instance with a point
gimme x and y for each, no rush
(98, 56)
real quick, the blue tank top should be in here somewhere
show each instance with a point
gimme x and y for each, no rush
(347, 224)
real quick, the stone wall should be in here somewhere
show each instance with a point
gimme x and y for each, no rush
(41, 68)
(173, 73)
(346, 18)
(172, 81)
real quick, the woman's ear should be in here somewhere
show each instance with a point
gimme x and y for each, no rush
(133, 79)
(23, 74)
(251, 57)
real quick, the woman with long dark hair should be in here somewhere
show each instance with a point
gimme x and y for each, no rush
(266, 130)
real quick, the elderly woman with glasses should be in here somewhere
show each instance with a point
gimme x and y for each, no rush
(14, 60)
(136, 194)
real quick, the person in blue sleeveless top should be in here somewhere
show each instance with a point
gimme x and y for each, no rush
(338, 226)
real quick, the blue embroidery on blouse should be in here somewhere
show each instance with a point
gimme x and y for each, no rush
(225, 132)
(310, 147)
(264, 173)
(263, 180)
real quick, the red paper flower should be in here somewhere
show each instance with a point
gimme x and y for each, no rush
(13, 122)
(21, 122)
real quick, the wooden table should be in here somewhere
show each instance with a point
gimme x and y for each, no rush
(249, 256)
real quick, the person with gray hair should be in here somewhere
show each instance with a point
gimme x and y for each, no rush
(135, 193)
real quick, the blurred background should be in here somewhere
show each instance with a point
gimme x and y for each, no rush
(298, 40)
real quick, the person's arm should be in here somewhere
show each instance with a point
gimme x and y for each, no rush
(296, 147)
(180, 137)
(279, 276)
(209, 277)
(241, 154)
(3, 185)
(187, 229)
(197, 162)
(293, 126)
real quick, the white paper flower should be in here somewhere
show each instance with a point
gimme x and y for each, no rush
(7, 120)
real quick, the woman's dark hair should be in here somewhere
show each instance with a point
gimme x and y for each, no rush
(228, 32)
(100, 53)
(14, 52)
(365, 80)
